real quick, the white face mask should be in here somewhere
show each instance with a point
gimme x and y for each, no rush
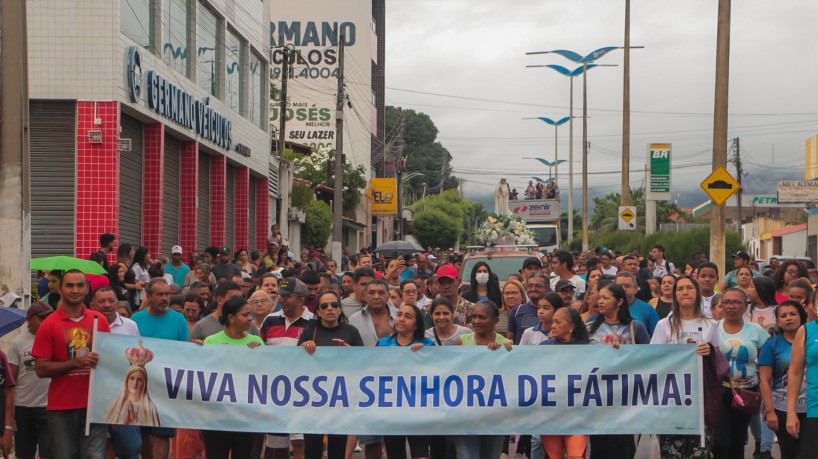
(482, 278)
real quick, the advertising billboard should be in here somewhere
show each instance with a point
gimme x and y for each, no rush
(536, 210)
(312, 32)
(384, 196)
(658, 170)
(797, 191)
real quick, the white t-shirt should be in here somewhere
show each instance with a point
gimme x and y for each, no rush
(764, 317)
(30, 391)
(533, 336)
(707, 305)
(610, 271)
(690, 329)
(576, 281)
(450, 341)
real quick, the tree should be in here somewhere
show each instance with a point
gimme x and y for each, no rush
(423, 153)
(434, 228)
(317, 224)
(314, 167)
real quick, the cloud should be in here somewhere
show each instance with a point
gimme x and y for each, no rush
(477, 50)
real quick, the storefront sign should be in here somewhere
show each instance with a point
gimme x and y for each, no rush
(384, 196)
(243, 149)
(179, 106)
(798, 191)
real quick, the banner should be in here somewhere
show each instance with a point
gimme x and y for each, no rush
(384, 196)
(592, 389)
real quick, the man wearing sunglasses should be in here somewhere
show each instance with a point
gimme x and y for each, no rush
(283, 328)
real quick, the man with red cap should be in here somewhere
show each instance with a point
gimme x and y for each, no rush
(448, 283)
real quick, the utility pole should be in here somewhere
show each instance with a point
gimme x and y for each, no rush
(571, 165)
(399, 174)
(15, 197)
(720, 116)
(626, 111)
(283, 166)
(737, 161)
(584, 157)
(338, 196)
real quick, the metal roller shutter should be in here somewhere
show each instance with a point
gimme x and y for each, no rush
(53, 164)
(130, 184)
(203, 223)
(229, 208)
(251, 228)
(170, 210)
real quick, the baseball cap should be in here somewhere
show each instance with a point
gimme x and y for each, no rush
(740, 254)
(176, 249)
(447, 271)
(562, 284)
(39, 308)
(293, 286)
(532, 261)
(225, 249)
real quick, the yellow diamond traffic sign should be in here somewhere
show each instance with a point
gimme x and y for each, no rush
(720, 185)
(627, 215)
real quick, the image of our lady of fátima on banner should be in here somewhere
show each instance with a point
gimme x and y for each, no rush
(133, 405)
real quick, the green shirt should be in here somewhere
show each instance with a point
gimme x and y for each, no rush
(468, 339)
(222, 338)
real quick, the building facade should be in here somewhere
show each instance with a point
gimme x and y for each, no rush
(149, 120)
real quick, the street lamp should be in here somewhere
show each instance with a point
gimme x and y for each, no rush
(586, 65)
(556, 125)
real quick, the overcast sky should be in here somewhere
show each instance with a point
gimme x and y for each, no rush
(476, 49)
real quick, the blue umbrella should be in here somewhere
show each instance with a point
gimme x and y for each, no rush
(11, 319)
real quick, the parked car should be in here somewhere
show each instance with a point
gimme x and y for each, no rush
(809, 262)
(502, 262)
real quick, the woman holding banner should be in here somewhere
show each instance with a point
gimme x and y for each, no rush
(485, 315)
(237, 319)
(409, 332)
(686, 324)
(329, 329)
(614, 325)
(444, 331)
(567, 327)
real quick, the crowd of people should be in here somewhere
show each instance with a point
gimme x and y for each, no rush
(756, 332)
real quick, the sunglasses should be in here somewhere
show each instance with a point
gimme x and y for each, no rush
(334, 304)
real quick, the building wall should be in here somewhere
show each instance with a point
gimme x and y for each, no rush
(77, 53)
(794, 244)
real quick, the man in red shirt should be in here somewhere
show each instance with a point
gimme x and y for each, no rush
(62, 352)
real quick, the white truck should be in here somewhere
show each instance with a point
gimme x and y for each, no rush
(542, 217)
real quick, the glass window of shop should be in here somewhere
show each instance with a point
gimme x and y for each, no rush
(135, 21)
(233, 47)
(207, 35)
(175, 34)
(256, 106)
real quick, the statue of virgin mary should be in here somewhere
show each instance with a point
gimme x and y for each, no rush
(501, 198)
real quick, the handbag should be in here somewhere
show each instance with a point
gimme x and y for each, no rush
(746, 401)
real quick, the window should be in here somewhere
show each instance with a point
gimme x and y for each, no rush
(233, 48)
(135, 21)
(175, 34)
(207, 26)
(256, 105)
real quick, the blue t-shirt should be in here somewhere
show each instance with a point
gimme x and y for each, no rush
(555, 341)
(170, 325)
(520, 319)
(393, 341)
(643, 312)
(811, 360)
(178, 274)
(776, 354)
(741, 351)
